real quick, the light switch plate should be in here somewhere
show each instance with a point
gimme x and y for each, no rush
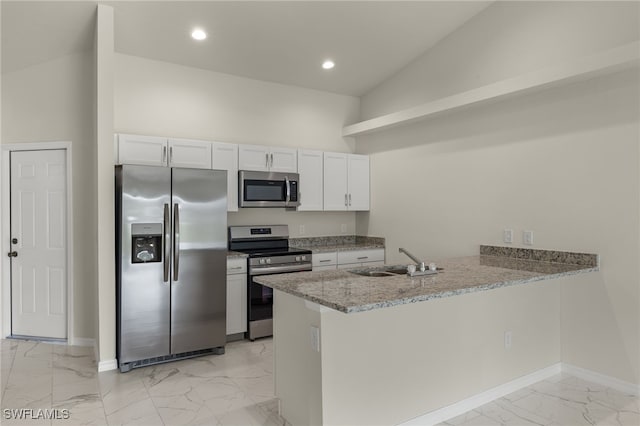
(507, 235)
(527, 238)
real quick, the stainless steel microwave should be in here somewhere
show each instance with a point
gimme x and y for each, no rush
(268, 189)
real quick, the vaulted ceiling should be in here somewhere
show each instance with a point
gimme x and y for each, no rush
(283, 42)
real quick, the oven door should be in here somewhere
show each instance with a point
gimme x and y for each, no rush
(266, 189)
(260, 309)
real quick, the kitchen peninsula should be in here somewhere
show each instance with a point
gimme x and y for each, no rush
(352, 349)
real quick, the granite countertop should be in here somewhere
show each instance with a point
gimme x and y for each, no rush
(347, 292)
(337, 243)
(236, 254)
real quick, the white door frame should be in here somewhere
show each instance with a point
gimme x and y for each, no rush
(5, 231)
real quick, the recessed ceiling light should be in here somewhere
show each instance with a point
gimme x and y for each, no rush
(328, 64)
(198, 34)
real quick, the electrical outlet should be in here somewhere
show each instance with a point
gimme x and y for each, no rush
(527, 238)
(508, 335)
(507, 235)
(343, 228)
(302, 230)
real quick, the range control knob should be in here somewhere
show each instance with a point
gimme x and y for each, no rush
(304, 257)
(268, 260)
(262, 261)
(297, 258)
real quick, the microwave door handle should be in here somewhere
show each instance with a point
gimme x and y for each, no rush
(176, 241)
(167, 244)
(288, 184)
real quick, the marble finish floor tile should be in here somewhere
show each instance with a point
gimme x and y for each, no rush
(237, 389)
(562, 400)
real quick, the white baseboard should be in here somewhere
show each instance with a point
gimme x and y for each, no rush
(445, 413)
(82, 341)
(110, 364)
(601, 379)
(468, 404)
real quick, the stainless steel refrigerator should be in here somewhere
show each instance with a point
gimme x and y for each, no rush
(171, 243)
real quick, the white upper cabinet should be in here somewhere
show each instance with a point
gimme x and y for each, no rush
(159, 151)
(346, 181)
(335, 181)
(225, 157)
(253, 157)
(265, 158)
(310, 169)
(283, 160)
(143, 150)
(189, 153)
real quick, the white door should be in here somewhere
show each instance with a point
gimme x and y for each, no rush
(39, 247)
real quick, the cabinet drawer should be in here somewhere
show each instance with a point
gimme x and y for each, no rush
(236, 266)
(361, 256)
(324, 259)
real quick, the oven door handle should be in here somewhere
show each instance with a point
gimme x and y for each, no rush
(278, 269)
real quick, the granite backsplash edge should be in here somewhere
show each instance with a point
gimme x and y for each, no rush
(336, 240)
(551, 256)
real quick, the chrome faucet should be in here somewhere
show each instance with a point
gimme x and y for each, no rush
(419, 263)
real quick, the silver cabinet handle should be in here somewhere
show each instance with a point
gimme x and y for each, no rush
(349, 199)
(266, 160)
(363, 257)
(271, 159)
(176, 241)
(167, 246)
(170, 155)
(235, 268)
(164, 155)
(325, 260)
(345, 199)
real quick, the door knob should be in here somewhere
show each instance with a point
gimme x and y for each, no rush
(14, 241)
(12, 254)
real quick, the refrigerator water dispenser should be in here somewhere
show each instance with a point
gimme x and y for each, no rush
(146, 242)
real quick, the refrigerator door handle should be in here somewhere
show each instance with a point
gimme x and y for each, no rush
(176, 241)
(167, 245)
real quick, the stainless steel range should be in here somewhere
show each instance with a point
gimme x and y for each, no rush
(269, 253)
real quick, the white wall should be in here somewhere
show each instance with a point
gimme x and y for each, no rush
(53, 101)
(507, 39)
(163, 99)
(563, 163)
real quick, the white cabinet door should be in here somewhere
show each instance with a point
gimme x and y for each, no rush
(361, 256)
(310, 169)
(236, 296)
(189, 153)
(143, 150)
(335, 181)
(358, 182)
(225, 157)
(283, 160)
(324, 261)
(253, 157)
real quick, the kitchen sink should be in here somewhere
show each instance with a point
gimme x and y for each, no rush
(383, 271)
(376, 273)
(388, 271)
